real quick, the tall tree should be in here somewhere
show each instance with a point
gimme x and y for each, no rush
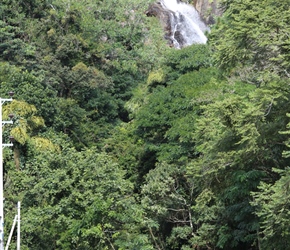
(272, 207)
(252, 39)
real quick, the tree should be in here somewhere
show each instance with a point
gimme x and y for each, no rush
(75, 200)
(250, 39)
(164, 121)
(12, 46)
(249, 47)
(272, 207)
(28, 88)
(167, 114)
(237, 137)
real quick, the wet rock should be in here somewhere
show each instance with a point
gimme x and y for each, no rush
(180, 21)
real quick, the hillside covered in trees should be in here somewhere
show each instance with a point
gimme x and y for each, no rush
(123, 142)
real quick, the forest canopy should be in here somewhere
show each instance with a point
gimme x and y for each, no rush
(123, 142)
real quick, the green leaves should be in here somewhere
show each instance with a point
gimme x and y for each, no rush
(272, 207)
(250, 34)
(180, 165)
(272, 203)
(26, 122)
(81, 198)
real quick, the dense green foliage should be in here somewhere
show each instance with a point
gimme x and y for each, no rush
(125, 143)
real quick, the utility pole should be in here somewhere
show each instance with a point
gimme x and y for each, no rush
(2, 145)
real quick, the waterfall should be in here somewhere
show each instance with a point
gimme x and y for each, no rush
(186, 28)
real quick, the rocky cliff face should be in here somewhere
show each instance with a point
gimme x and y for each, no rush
(182, 22)
(208, 9)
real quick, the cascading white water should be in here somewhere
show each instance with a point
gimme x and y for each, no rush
(186, 26)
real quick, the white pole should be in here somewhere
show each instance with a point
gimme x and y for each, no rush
(1, 185)
(11, 233)
(1, 173)
(18, 226)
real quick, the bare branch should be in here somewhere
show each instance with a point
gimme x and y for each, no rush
(269, 107)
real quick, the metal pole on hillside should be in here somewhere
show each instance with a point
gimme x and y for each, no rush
(18, 226)
(2, 145)
(11, 233)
